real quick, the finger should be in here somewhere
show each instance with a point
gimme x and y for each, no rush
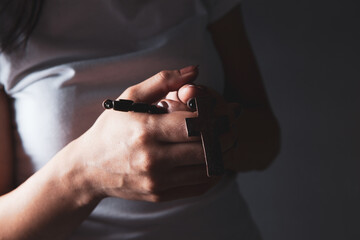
(156, 87)
(172, 106)
(184, 176)
(172, 96)
(181, 97)
(182, 154)
(189, 175)
(186, 92)
(189, 91)
(171, 127)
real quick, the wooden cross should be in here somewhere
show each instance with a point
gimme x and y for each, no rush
(209, 128)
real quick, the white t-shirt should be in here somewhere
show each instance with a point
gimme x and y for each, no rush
(83, 52)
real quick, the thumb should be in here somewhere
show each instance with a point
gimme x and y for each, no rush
(190, 91)
(172, 106)
(156, 87)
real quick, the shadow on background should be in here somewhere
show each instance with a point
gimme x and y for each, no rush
(308, 52)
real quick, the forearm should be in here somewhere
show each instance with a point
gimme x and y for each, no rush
(258, 131)
(49, 205)
(110, 160)
(258, 128)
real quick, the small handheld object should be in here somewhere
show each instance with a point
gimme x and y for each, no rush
(125, 105)
(209, 128)
(206, 125)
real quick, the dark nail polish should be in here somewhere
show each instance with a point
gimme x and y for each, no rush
(192, 104)
(163, 104)
(108, 104)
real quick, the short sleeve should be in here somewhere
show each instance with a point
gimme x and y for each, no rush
(218, 8)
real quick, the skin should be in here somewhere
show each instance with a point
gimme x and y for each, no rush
(57, 198)
(254, 140)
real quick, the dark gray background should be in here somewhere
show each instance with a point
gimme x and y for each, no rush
(308, 52)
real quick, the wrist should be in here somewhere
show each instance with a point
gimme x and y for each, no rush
(72, 175)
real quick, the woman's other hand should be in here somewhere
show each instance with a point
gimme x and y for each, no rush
(251, 143)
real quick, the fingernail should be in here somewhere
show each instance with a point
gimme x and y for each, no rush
(200, 87)
(189, 69)
(163, 104)
(191, 104)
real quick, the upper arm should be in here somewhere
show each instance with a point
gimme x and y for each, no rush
(6, 163)
(242, 76)
(260, 132)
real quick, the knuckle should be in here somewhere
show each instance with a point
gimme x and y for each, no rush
(156, 198)
(130, 92)
(164, 75)
(146, 155)
(142, 135)
(150, 185)
(139, 163)
(144, 130)
(147, 162)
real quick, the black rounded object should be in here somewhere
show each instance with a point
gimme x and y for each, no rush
(156, 110)
(192, 104)
(123, 105)
(108, 104)
(140, 107)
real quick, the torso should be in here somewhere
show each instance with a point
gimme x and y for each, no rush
(81, 54)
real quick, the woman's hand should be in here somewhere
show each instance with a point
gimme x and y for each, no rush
(129, 155)
(252, 140)
(144, 156)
